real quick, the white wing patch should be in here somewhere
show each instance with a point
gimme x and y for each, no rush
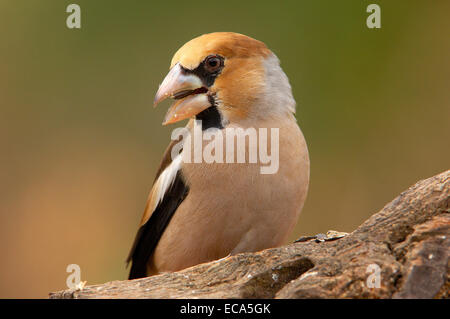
(165, 181)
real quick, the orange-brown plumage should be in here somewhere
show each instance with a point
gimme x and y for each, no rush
(228, 44)
(197, 212)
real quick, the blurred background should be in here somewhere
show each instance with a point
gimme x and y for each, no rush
(80, 141)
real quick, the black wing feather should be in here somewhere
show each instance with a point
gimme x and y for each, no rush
(149, 234)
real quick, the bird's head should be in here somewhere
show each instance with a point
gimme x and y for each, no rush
(236, 74)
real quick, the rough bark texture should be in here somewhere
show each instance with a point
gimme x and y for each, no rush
(409, 240)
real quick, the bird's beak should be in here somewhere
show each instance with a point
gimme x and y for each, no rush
(189, 92)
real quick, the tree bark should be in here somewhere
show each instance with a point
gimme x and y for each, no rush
(400, 252)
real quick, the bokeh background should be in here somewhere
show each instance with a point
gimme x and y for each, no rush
(80, 141)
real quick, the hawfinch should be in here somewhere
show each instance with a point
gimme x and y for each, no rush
(200, 209)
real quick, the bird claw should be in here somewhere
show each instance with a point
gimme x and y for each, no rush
(320, 238)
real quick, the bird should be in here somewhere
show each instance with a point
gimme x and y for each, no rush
(199, 211)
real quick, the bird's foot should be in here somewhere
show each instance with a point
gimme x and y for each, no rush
(320, 238)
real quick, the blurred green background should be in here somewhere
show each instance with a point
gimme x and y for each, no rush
(80, 141)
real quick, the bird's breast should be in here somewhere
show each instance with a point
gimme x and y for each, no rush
(232, 206)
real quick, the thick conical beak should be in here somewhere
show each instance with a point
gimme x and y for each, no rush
(188, 89)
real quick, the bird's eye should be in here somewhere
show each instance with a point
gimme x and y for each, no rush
(213, 64)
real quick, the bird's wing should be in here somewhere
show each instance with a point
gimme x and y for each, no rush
(168, 191)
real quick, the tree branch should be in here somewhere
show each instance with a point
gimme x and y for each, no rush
(407, 243)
